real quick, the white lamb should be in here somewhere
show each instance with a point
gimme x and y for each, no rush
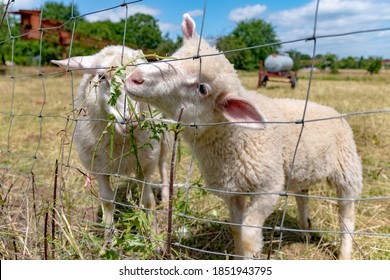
(251, 155)
(104, 151)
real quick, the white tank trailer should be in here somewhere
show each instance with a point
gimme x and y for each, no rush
(277, 66)
(275, 63)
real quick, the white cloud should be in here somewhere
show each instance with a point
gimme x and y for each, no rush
(24, 4)
(166, 27)
(335, 17)
(120, 13)
(136, 8)
(247, 12)
(196, 13)
(112, 15)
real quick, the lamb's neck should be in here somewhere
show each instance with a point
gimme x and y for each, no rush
(207, 141)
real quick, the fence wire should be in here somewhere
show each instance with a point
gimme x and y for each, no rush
(38, 187)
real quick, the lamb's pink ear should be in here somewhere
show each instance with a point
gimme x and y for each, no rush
(86, 63)
(188, 27)
(240, 111)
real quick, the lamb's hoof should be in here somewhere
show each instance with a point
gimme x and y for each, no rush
(306, 235)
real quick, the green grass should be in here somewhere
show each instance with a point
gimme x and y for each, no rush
(29, 153)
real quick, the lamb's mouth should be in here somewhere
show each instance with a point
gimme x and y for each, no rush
(135, 95)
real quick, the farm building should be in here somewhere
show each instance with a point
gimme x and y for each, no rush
(31, 26)
(386, 63)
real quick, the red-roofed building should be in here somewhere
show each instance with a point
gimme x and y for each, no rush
(31, 26)
(386, 63)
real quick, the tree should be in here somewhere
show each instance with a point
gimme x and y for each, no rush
(143, 32)
(59, 11)
(102, 31)
(240, 59)
(300, 59)
(374, 65)
(329, 61)
(348, 63)
(250, 33)
(167, 46)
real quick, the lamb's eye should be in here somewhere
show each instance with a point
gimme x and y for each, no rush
(202, 88)
(101, 77)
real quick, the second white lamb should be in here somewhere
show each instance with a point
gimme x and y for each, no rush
(125, 150)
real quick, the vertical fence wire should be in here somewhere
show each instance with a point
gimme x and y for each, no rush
(290, 175)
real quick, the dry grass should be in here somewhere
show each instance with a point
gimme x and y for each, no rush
(27, 181)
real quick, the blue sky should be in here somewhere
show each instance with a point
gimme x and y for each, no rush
(292, 19)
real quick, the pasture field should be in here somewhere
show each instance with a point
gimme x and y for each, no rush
(48, 212)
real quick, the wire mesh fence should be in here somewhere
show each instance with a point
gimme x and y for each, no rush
(49, 205)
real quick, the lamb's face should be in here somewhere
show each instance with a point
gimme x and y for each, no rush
(101, 69)
(171, 85)
(196, 85)
(207, 88)
(120, 107)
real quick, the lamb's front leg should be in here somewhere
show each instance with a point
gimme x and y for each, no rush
(236, 206)
(107, 196)
(302, 204)
(148, 200)
(257, 211)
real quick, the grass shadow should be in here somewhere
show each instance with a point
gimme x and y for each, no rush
(214, 241)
